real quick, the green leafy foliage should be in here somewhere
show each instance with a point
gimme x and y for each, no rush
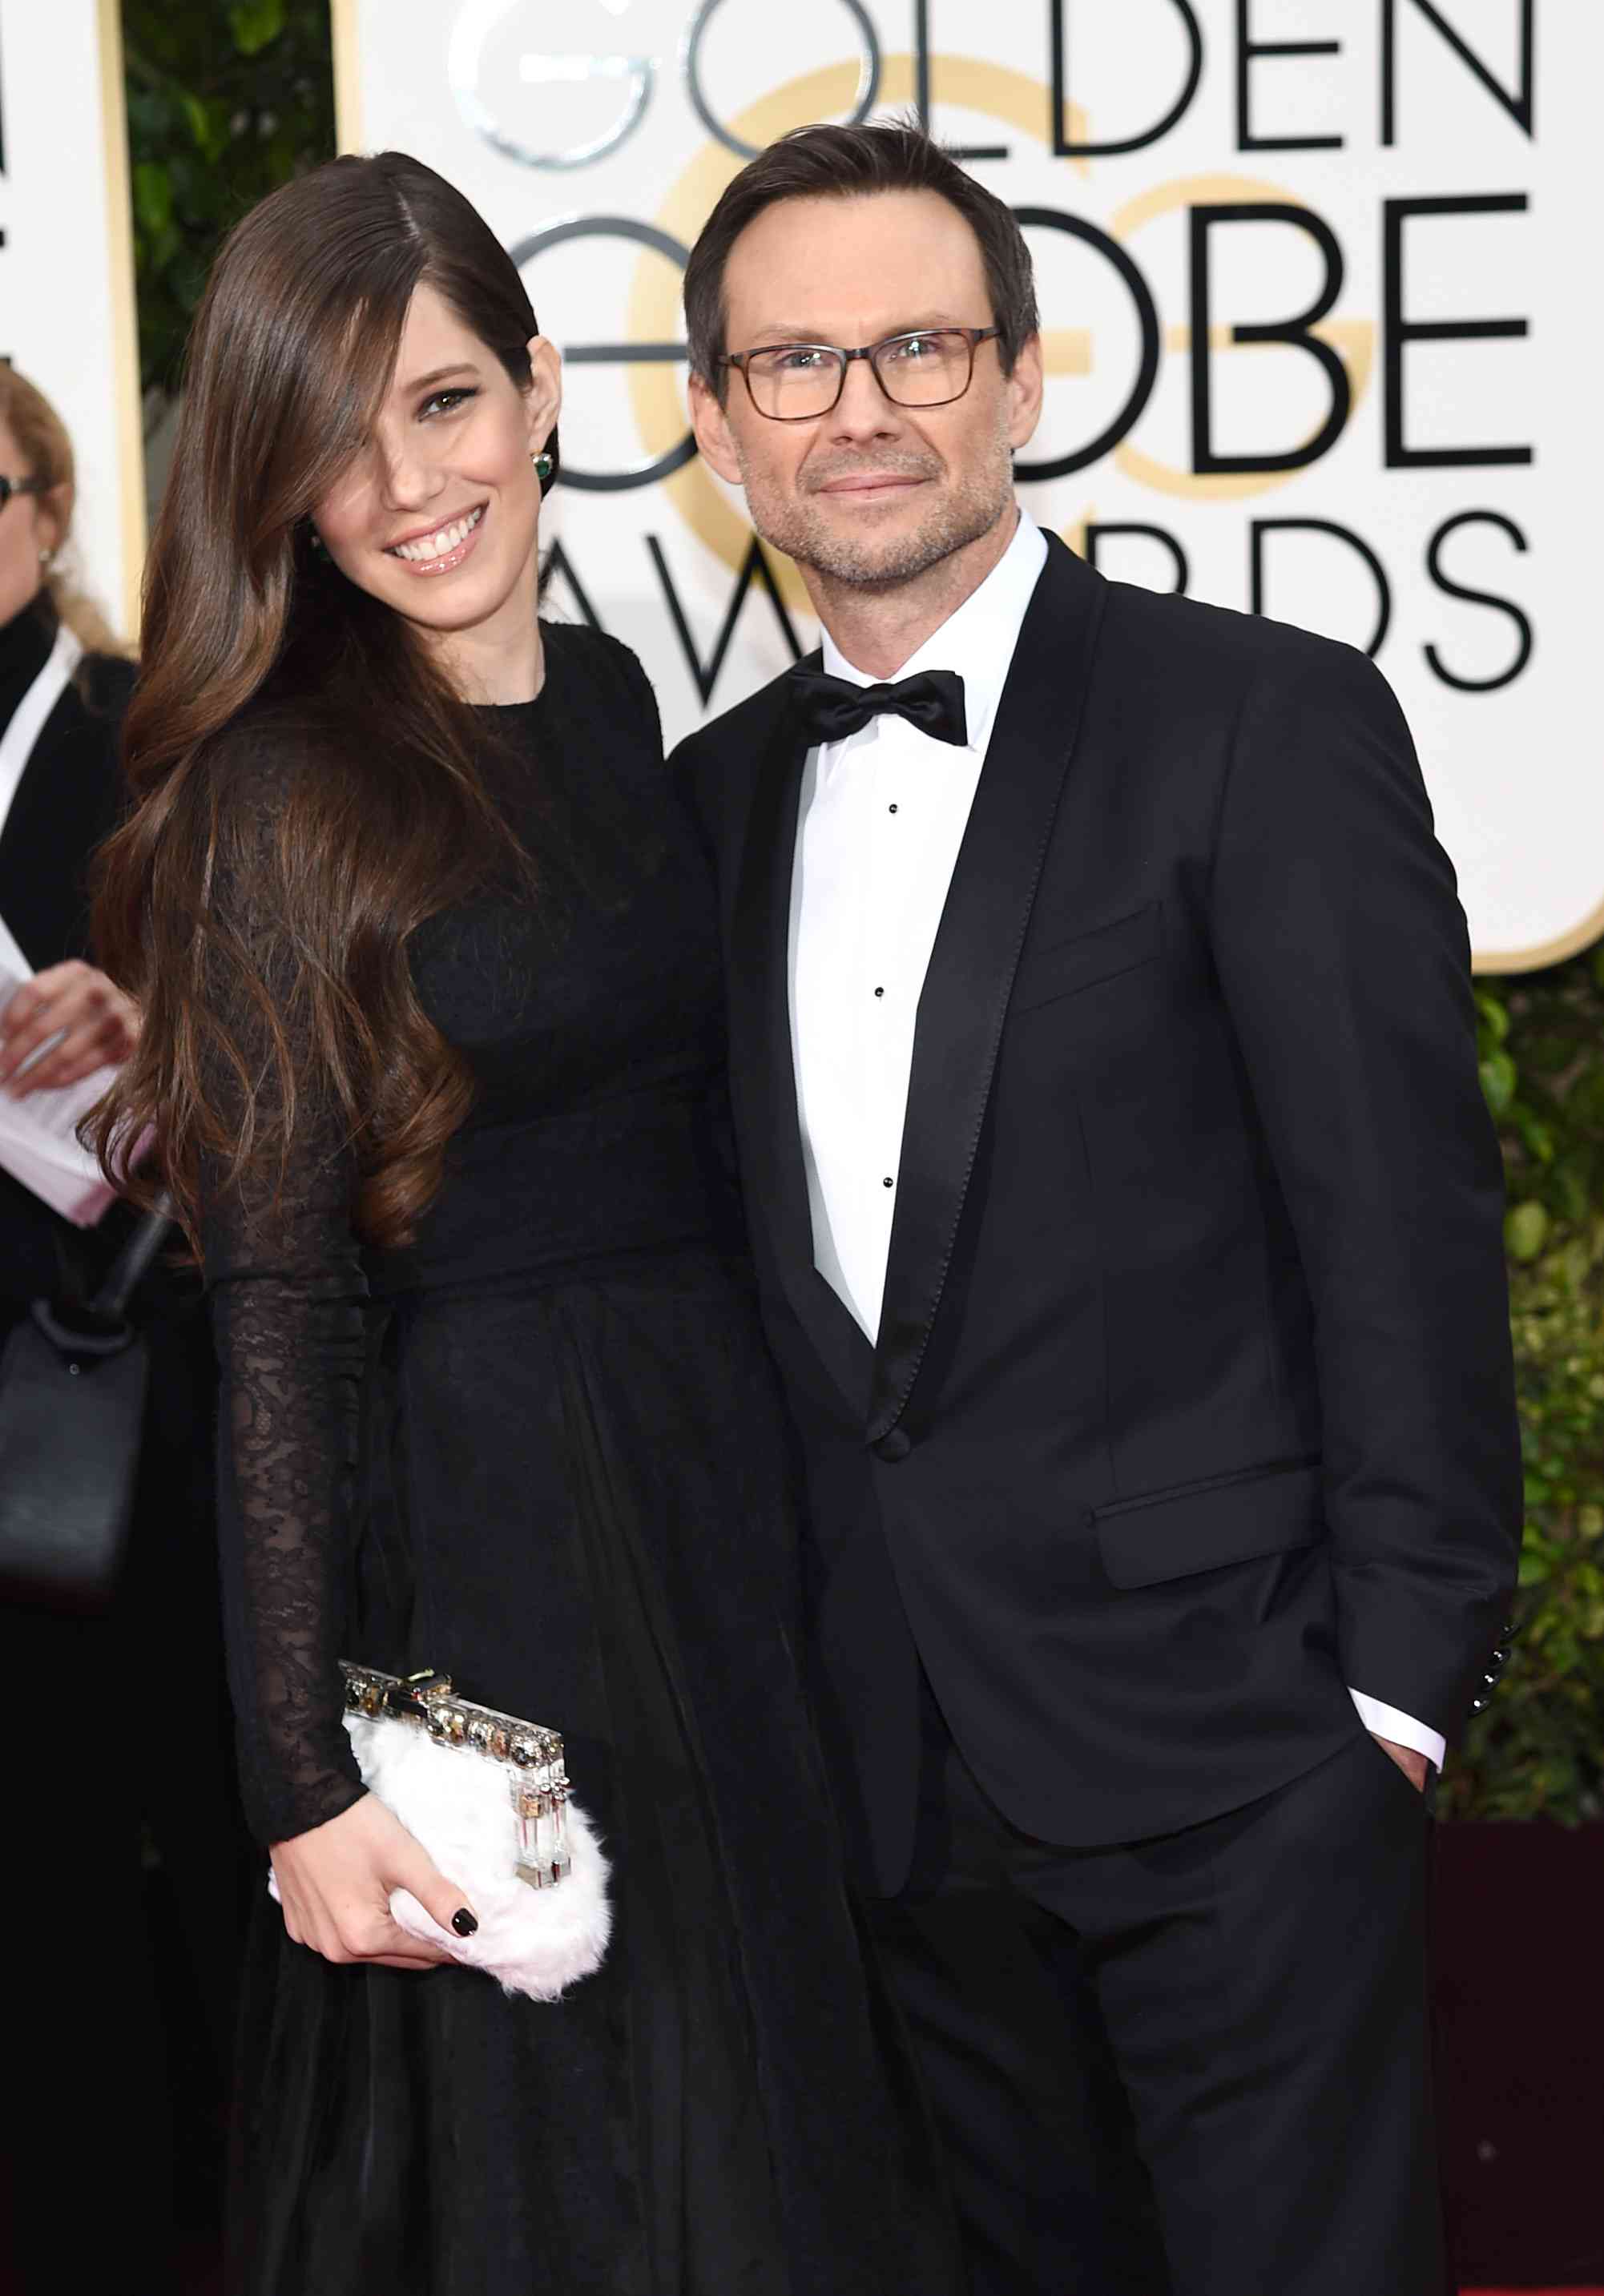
(224, 103)
(1538, 1748)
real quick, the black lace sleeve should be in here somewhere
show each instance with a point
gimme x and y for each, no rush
(288, 1292)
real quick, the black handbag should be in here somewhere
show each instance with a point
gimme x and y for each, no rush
(72, 1389)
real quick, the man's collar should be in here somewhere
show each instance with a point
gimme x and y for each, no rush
(978, 638)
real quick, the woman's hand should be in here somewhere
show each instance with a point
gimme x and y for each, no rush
(335, 1884)
(96, 1023)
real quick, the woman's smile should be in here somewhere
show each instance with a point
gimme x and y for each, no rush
(438, 549)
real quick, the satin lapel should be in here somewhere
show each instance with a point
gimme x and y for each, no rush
(762, 1072)
(972, 966)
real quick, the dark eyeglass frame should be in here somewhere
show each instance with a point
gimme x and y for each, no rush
(10, 486)
(973, 337)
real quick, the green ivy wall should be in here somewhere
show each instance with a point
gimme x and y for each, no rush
(1538, 1749)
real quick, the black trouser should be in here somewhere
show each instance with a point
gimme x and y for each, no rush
(1192, 2066)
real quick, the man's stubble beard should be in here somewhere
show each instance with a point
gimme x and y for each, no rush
(797, 525)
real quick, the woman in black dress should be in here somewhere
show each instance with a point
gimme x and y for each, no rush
(432, 1038)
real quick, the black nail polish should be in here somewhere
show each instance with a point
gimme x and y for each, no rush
(464, 1922)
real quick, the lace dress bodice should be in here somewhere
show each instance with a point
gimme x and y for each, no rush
(591, 1015)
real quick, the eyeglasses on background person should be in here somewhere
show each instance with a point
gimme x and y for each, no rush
(10, 486)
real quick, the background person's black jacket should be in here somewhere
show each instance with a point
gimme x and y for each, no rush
(140, 1834)
(1192, 1403)
(66, 803)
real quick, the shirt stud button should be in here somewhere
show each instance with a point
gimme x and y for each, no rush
(891, 808)
(879, 992)
(886, 1184)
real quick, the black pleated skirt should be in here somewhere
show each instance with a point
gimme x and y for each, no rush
(579, 1501)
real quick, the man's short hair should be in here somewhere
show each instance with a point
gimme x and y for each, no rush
(830, 162)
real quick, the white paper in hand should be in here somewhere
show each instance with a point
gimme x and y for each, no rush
(38, 1133)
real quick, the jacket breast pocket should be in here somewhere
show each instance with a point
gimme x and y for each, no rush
(1172, 1534)
(1046, 974)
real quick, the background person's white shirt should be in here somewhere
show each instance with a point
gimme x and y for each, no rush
(882, 817)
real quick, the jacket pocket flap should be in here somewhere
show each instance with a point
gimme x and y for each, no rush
(1046, 974)
(1205, 1526)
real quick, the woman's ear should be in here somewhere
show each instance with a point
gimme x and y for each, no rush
(53, 517)
(545, 395)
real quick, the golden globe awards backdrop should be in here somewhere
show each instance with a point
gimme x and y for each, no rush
(67, 272)
(1320, 291)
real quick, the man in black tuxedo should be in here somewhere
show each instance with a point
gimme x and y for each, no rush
(1128, 1223)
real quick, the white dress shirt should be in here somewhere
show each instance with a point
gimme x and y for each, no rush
(882, 817)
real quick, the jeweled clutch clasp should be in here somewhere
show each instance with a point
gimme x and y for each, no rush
(532, 1754)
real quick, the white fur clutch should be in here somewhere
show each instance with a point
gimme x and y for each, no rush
(488, 1798)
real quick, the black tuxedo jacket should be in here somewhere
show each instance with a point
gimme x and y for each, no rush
(1192, 1403)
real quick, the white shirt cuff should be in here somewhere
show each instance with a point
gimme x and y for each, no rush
(1403, 1729)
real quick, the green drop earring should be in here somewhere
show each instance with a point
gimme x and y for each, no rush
(544, 466)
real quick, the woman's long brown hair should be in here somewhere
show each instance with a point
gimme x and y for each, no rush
(255, 648)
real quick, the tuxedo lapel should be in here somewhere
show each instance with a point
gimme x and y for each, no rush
(763, 1075)
(971, 972)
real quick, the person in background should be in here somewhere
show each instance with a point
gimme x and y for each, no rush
(56, 804)
(113, 1838)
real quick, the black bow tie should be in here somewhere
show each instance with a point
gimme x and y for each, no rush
(829, 708)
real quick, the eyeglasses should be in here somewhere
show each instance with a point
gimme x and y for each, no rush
(10, 486)
(794, 382)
